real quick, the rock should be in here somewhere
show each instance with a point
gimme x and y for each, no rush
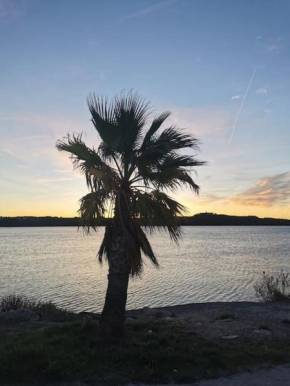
(149, 332)
(263, 333)
(156, 312)
(21, 314)
(230, 337)
(168, 319)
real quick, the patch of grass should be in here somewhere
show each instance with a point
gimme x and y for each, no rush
(76, 351)
(15, 302)
(272, 288)
(263, 326)
(224, 315)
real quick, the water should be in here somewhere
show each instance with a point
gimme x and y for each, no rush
(211, 264)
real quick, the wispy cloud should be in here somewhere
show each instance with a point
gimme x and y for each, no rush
(199, 122)
(274, 45)
(262, 91)
(12, 10)
(42, 181)
(52, 126)
(148, 10)
(42, 134)
(235, 97)
(266, 192)
(6, 151)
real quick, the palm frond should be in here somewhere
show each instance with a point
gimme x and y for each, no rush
(89, 162)
(92, 208)
(170, 172)
(103, 118)
(146, 247)
(157, 209)
(155, 126)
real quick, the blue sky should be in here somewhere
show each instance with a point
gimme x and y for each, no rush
(195, 58)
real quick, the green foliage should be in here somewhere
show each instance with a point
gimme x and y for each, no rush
(131, 173)
(272, 288)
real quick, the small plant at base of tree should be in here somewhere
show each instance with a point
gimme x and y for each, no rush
(272, 288)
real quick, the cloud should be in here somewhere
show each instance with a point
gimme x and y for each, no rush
(43, 181)
(266, 192)
(6, 151)
(272, 47)
(31, 137)
(235, 97)
(199, 122)
(12, 9)
(49, 126)
(262, 91)
(148, 10)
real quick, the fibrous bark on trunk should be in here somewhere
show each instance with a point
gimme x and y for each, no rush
(112, 318)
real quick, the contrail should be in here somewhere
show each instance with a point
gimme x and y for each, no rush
(242, 104)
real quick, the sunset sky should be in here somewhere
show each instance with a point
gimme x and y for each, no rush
(222, 67)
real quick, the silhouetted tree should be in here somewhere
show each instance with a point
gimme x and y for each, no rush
(128, 177)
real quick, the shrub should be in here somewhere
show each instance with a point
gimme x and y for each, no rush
(272, 288)
(15, 302)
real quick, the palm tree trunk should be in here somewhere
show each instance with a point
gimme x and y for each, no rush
(113, 315)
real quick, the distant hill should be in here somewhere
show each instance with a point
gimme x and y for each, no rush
(198, 219)
(223, 219)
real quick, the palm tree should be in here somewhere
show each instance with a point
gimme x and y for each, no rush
(129, 176)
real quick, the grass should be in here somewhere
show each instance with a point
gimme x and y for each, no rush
(15, 302)
(263, 326)
(75, 351)
(224, 315)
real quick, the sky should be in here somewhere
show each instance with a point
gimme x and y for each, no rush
(221, 67)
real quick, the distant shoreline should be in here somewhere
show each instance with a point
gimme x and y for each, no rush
(202, 219)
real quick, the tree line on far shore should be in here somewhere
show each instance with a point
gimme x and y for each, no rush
(198, 219)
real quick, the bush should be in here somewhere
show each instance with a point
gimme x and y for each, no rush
(273, 288)
(15, 302)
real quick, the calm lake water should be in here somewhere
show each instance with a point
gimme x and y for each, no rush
(210, 264)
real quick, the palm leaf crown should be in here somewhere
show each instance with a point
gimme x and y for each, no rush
(131, 173)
